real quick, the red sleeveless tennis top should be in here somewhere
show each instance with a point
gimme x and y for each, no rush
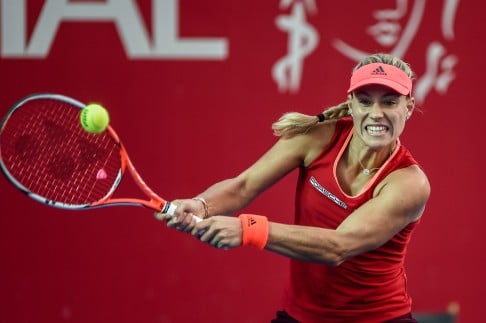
(370, 287)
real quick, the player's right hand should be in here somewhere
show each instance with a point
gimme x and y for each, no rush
(184, 216)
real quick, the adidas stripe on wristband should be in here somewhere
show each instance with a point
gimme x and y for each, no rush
(255, 230)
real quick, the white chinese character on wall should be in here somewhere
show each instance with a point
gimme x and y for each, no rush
(302, 40)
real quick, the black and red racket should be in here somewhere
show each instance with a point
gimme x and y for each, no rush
(46, 154)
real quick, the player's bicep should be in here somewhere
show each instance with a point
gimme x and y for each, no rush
(286, 155)
(278, 161)
(401, 201)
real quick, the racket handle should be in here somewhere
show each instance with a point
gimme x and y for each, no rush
(171, 208)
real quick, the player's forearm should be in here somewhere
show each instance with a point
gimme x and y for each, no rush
(227, 197)
(306, 243)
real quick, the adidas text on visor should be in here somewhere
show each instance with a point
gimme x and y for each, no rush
(383, 74)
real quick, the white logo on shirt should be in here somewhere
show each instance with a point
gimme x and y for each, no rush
(326, 193)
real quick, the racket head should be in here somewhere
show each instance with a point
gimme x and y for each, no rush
(46, 154)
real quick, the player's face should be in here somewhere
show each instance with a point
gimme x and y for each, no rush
(379, 115)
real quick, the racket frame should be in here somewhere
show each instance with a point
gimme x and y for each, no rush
(154, 202)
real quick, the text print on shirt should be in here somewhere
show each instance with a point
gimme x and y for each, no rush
(326, 193)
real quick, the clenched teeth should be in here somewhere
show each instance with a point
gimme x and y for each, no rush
(376, 129)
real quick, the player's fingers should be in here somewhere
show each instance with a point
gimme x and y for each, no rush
(215, 237)
(160, 216)
(185, 222)
(200, 227)
(216, 240)
(203, 231)
(222, 245)
(220, 241)
(188, 224)
(172, 222)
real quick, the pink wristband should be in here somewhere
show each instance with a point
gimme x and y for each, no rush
(255, 230)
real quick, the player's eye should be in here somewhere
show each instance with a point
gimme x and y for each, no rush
(390, 102)
(365, 102)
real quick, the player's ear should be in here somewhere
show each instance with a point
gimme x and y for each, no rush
(410, 106)
(350, 107)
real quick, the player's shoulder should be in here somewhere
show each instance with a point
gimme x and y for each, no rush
(411, 179)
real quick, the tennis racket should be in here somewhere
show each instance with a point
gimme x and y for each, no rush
(46, 154)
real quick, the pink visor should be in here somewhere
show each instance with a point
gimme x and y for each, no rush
(383, 74)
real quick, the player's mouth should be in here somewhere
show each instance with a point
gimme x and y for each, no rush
(376, 130)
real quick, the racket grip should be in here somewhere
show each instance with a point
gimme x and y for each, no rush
(171, 208)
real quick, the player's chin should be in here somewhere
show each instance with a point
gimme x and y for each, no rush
(379, 142)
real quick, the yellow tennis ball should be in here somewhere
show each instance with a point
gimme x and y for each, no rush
(94, 118)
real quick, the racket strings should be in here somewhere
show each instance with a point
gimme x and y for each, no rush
(108, 163)
(44, 147)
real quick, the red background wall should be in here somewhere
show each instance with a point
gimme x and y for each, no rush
(188, 121)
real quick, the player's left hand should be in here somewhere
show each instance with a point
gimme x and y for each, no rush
(220, 231)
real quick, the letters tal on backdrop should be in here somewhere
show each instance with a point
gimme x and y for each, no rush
(129, 23)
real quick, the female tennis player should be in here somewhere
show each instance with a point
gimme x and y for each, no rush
(359, 196)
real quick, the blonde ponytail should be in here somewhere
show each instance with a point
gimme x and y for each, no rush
(294, 123)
